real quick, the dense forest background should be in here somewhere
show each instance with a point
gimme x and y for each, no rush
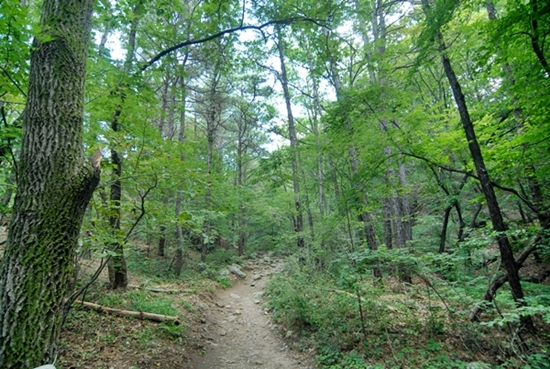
(395, 152)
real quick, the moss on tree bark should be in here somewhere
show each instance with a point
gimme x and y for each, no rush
(54, 185)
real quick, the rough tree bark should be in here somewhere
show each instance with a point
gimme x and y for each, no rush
(55, 183)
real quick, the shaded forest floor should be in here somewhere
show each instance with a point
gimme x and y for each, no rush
(232, 327)
(220, 327)
(226, 322)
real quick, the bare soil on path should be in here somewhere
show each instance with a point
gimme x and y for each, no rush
(238, 332)
(223, 329)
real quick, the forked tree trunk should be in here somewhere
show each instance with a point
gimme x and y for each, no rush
(55, 183)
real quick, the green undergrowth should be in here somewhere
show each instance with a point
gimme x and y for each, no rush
(93, 339)
(195, 274)
(356, 322)
(140, 301)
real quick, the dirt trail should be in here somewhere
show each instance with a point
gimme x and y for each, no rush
(239, 333)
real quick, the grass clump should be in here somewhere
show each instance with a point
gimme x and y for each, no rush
(139, 301)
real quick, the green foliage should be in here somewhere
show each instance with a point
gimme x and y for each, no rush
(139, 301)
(425, 314)
(373, 101)
(154, 269)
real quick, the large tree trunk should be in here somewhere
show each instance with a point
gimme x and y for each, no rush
(55, 183)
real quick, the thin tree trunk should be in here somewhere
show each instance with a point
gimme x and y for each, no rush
(299, 221)
(118, 271)
(164, 102)
(241, 239)
(315, 128)
(388, 239)
(495, 214)
(453, 204)
(334, 175)
(461, 223)
(54, 185)
(443, 238)
(162, 241)
(212, 123)
(405, 204)
(178, 257)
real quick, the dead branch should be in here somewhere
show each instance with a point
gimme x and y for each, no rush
(135, 314)
(161, 290)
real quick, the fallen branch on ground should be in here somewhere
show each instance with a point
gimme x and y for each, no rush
(161, 290)
(135, 314)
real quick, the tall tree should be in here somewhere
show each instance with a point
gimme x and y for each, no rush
(293, 138)
(505, 248)
(55, 182)
(118, 271)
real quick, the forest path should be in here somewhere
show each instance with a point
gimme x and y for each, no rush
(239, 332)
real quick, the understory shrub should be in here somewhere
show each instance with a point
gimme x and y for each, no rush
(356, 321)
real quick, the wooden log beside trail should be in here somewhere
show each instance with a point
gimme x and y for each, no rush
(135, 314)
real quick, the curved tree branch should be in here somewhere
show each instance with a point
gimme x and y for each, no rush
(472, 175)
(260, 28)
(500, 280)
(75, 295)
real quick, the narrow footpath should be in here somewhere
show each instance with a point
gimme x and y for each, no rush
(239, 332)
